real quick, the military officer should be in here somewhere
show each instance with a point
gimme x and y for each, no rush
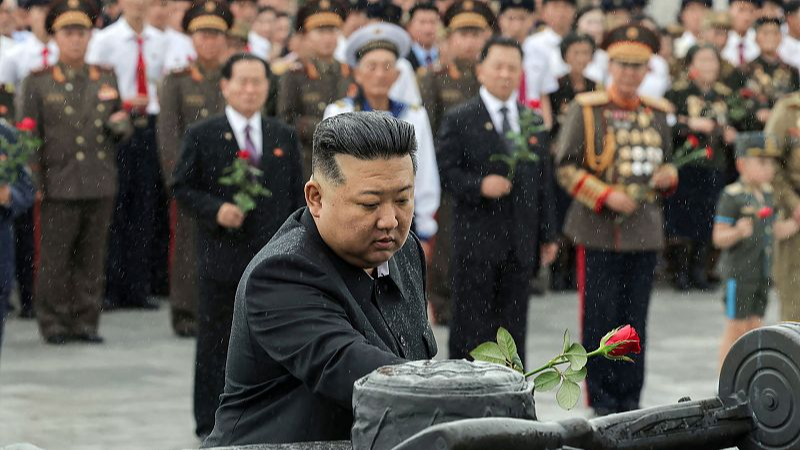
(319, 80)
(79, 117)
(611, 157)
(188, 95)
(784, 123)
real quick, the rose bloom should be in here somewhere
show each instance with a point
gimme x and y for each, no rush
(27, 124)
(626, 333)
(243, 154)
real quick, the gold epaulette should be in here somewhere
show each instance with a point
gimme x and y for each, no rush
(680, 85)
(595, 98)
(734, 188)
(722, 89)
(414, 107)
(660, 104)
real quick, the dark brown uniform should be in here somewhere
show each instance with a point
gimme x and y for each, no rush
(186, 96)
(77, 174)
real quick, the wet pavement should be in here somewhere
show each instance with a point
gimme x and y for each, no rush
(134, 392)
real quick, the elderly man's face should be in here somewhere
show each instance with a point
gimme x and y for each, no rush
(365, 219)
(247, 89)
(627, 77)
(376, 72)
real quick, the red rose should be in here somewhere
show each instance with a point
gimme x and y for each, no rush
(629, 342)
(534, 104)
(27, 124)
(709, 152)
(693, 141)
(243, 154)
(746, 92)
(764, 212)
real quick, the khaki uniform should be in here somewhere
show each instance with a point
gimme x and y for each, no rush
(77, 174)
(303, 95)
(186, 96)
(784, 123)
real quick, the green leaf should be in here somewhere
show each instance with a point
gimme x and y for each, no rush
(576, 355)
(547, 381)
(567, 343)
(576, 376)
(509, 348)
(568, 394)
(489, 352)
(244, 202)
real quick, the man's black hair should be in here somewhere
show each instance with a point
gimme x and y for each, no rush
(500, 41)
(227, 68)
(573, 38)
(362, 135)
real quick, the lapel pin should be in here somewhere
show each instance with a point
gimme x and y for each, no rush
(278, 152)
(228, 136)
(489, 126)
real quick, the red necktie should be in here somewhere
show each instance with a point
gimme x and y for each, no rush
(742, 60)
(141, 72)
(45, 54)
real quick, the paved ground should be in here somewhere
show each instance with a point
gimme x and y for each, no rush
(135, 391)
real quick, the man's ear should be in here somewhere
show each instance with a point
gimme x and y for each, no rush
(313, 193)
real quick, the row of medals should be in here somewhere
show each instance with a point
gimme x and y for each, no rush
(639, 150)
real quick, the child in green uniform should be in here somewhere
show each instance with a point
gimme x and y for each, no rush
(743, 229)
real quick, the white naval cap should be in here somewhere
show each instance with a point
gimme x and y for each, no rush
(376, 36)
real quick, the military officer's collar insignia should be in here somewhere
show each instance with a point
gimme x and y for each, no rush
(74, 4)
(210, 6)
(106, 92)
(195, 73)
(58, 75)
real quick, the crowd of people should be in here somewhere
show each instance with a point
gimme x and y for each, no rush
(581, 136)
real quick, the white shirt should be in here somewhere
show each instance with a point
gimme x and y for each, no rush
(238, 124)
(180, 51)
(427, 187)
(258, 45)
(116, 47)
(406, 89)
(731, 50)
(494, 105)
(597, 70)
(542, 63)
(683, 44)
(25, 57)
(789, 51)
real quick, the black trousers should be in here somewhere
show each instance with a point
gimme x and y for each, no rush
(488, 294)
(214, 318)
(130, 252)
(24, 250)
(615, 290)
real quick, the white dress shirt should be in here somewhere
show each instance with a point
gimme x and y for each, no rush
(180, 51)
(542, 63)
(25, 57)
(259, 45)
(116, 47)
(239, 122)
(683, 44)
(731, 50)
(494, 104)
(789, 51)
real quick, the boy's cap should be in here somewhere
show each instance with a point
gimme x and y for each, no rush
(757, 144)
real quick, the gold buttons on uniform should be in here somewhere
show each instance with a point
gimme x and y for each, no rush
(101, 155)
(68, 110)
(204, 112)
(80, 156)
(101, 107)
(68, 87)
(80, 140)
(101, 139)
(321, 106)
(98, 123)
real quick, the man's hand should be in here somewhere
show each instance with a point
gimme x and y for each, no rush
(745, 227)
(621, 203)
(5, 195)
(495, 186)
(118, 116)
(663, 178)
(230, 216)
(548, 253)
(702, 125)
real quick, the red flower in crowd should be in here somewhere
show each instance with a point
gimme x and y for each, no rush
(27, 124)
(746, 92)
(243, 154)
(278, 152)
(534, 104)
(764, 212)
(709, 152)
(693, 141)
(627, 341)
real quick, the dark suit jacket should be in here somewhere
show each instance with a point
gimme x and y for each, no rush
(486, 228)
(305, 328)
(208, 148)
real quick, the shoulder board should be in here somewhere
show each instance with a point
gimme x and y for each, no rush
(341, 103)
(595, 98)
(722, 89)
(660, 104)
(680, 85)
(414, 107)
(734, 188)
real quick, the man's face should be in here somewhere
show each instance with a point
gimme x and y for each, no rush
(280, 32)
(423, 27)
(692, 16)
(515, 23)
(263, 23)
(793, 23)
(768, 38)
(158, 14)
(246, 91)
(705, 66)
(36, 17)
(578, 56)
(501, 71)
(743, 13)
(718, 37)
(558, 15)
(365, 219)
(72, 43)
(135, 9)
(244, 11)
(376, 72)
(756, 170)
(466, 43)
(593, 24)
(322, 41)
(627, 77)
(176, 9)
(209, 44)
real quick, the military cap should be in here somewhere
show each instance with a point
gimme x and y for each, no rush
(208, 15)
(575, 38)
(385, 11)
(633, 44)
(239, 31)
(528, 5)
(469, 14)
(791, 7)
(377, 36)
(757, 144)
(615, 5)
(70, 13)
(28, 4)
(706, 3)
(763, 20)
(422, 6)
(319, 14)
(718, 19)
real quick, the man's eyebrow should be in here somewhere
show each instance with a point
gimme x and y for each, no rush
(379, 193)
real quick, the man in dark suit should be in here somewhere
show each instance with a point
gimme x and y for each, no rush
(229, 238)
(501, 222)
(336, 294)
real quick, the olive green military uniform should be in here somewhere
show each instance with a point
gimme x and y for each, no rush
(77, 174)
(767, 82)
(784, 123)
(186, 96)
(304, 94)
